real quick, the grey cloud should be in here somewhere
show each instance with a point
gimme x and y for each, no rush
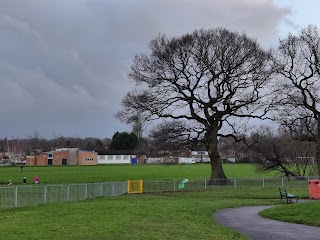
(63, 64)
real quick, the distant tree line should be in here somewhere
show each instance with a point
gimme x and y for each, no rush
(35, 143)
(271, 149)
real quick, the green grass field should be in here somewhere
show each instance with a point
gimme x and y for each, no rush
(166, 215)
(303, 213)
(184, 215)
(112, 173)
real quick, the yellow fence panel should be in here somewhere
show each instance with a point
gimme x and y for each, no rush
(135, 186)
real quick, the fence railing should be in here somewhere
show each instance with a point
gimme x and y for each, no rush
(20, 196)
(239, 183)
(31, 195)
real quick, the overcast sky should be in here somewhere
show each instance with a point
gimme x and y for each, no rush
(64, 64)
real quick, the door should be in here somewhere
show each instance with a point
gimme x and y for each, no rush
(64, 161)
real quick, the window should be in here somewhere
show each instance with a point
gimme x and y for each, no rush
(118, 157)
(49, 155)
(126, 157)
(101, 157)
(110, 157)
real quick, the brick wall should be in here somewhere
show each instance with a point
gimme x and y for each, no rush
(30, 160)
(59, 156)
(87, 158)
(41, 160)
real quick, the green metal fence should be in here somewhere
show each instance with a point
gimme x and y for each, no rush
(240, 183)
(31, 195)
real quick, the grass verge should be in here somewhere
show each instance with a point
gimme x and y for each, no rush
(112, 173)
(303, 213)
(179, 215)
(183, 215)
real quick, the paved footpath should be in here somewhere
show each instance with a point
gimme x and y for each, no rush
(247, 221)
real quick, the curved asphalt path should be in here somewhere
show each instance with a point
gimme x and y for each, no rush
(247, 221)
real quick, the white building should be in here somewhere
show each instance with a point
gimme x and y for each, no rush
(121, 157)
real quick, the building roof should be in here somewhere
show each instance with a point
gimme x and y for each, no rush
(121, 152)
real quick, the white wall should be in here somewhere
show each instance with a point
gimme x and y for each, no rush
(197, 156)
(114, 159)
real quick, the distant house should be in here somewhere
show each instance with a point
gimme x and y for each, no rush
(162, 158)
(63, 156)
(168, 156)
(231, 160)
(121, 157)
(200, 155)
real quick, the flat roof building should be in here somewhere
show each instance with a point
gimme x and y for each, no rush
(63, 156)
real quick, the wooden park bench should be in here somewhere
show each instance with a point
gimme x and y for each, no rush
(288, 196)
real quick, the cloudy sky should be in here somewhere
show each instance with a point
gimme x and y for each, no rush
(64, 64)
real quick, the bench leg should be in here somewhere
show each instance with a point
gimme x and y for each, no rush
(289, 200)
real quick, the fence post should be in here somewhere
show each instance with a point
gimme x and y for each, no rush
(101, 190)
(235, 183)
(262, 182)
(174, 185)
(281, 181)
(45, 194)
(87, 195)
(112, 188)
(16, 197)
(68, 192)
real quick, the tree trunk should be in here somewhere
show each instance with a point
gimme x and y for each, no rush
(318, 147)
(212, 148)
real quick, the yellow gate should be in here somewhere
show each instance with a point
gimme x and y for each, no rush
(135, 186)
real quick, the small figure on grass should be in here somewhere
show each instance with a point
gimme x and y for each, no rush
(36, 179)
(21, 167)
(10, 182)
(25, 180)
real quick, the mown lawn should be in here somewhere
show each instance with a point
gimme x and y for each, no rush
(303, 213)
(107, 173)
(183, 215)
(171, 215)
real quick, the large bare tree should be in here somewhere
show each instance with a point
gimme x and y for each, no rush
(298, 64)
(207, 79)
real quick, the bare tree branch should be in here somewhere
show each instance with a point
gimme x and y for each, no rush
(202, 78)
(298, 64)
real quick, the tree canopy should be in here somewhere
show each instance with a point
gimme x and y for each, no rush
(124, 141)
(298, 66)
(207, 79)
(169, 135)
